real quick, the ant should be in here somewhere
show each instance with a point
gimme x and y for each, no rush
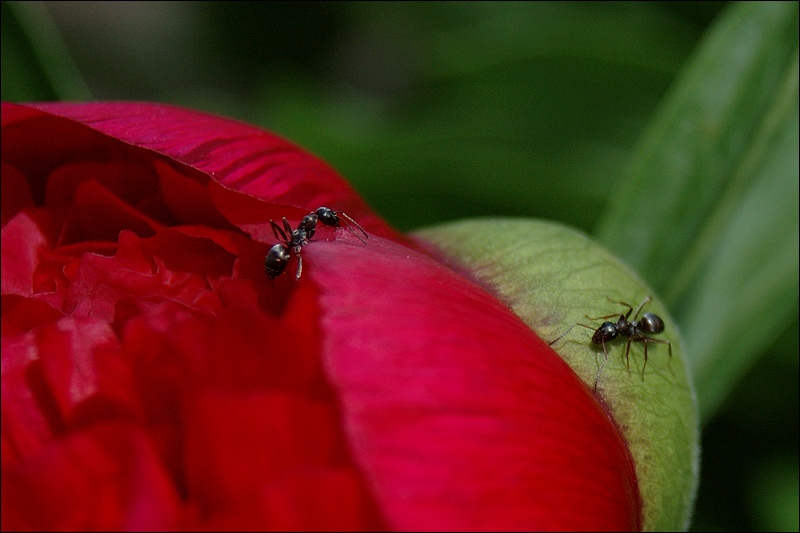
(293, 240)
(634, 330)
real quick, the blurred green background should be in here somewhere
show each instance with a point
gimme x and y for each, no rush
(668, 130)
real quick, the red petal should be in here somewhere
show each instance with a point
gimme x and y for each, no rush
(20, 315)
(246, 420)
(106, 478)
(16, 194)
(24, 244)
(59, 377)
(460, 417)
(239, 157)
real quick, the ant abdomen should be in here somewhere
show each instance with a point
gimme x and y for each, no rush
(276, 260)
(651, 323)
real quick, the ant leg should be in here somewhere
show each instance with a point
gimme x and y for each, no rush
(287, 226)
(603, 317)
(630, 309)
(356, 224)
(600, 370)
(645, 360)
(647, 340)
(641, 306)
(627, 355)
(277, 229)
(299, 267)
(669, 361)
(568, 330)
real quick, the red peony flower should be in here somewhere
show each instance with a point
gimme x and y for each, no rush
(154, 377)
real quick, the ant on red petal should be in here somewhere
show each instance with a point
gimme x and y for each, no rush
(635, 330)
(292, 241)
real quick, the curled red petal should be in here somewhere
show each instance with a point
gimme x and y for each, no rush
(24, 245)
(59, 377)
(236, 156)
(459, 416)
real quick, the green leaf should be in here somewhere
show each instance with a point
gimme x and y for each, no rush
(36, 64)
(708, 212)
(553, 277)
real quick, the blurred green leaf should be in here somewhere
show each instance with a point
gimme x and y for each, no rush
(775, 493)
(709, 211)
(36, 64)
(440, 111)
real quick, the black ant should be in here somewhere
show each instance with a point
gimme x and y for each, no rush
(293, 240)
(634, 330)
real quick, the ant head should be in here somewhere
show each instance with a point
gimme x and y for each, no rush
(328, 217)
(606, 332)
(651, 323)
